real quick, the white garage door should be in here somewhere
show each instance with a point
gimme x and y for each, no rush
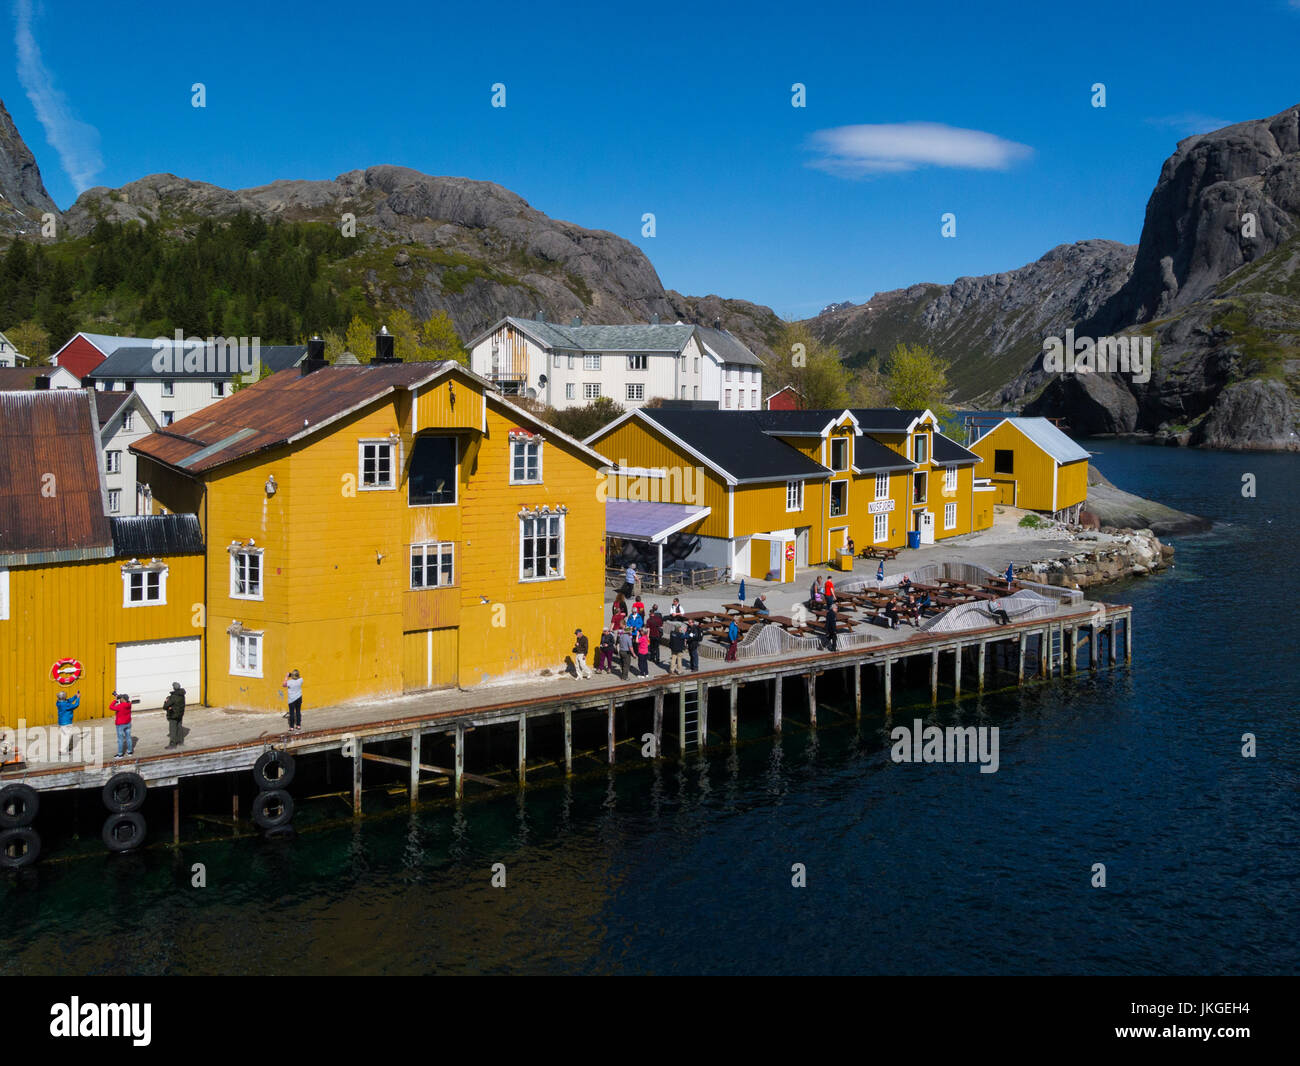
(146, 670)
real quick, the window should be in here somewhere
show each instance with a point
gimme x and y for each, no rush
(839, 453)
(432, 565)
(949, 516)
(728, 372)
(246, 654)
(636, 392)
(573, 361)
(169, 388)
(839, 498)
(918, 487)
(570, 391)
(740, 398)
(128, 420)
(555, 362)
(753, 397)
(114, 501)
(697, 364)
(794, 495)
(1004, 461)
(591, 362)
(119, 386)
(168, 417)
(432, 480)
(882, 486)
(525, 461)
(113, 462)
(218, 389)
(683, 392)
(376, 460)
(4, 595)
(726, 401)
(920, 448)
(590, 390)
(541, 547)
(638, 362)
(246, 574)
(879, 528)
(142, 586)
(695, 392)
(683, 360)
(950, 479)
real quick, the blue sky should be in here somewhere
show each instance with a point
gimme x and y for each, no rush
(679, 110)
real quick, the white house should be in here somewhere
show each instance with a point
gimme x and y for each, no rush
(36, 377)
(123, 420)
(9, 355)
(569, 366)
(173, 393)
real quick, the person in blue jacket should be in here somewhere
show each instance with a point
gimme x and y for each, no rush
(66, 703)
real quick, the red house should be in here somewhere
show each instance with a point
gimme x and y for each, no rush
(786, 399)
(87, 350)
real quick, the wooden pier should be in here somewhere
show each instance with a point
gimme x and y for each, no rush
(1035, 650)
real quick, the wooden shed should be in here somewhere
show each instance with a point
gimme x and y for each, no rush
(1032, 464)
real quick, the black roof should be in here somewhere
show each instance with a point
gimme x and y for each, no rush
(150, 536)
(137, 364)
(885, 419)
(948, 451)
(735, 442)
(794, 422)
(869, 455)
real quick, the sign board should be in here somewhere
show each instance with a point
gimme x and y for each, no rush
(789, 552)
(880, 507)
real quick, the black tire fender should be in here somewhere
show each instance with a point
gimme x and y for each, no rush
(272, 809)
(124, 792)
(19, 847)
(270, 760)
(123, 831)
(18, 805)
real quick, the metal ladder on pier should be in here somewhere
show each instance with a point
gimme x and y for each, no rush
(690, 723)
(1055, 651)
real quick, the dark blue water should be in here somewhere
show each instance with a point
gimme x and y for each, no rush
(910, 868)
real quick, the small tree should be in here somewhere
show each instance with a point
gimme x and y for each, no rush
(582, 422)
(438, 340)
(31, 340)
(916, 378)
(811, 367)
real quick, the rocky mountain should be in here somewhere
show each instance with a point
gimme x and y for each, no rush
(23, 198)
(428, 244)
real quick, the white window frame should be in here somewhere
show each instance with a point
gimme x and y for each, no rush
(830, 500)
(524, 536)
(842, 442)
(433, 549)
(753, 398)
(128, 572)
(393, 461)
(591, 390)
(683, 392)
(638, 362)
(218, 390)
(128, 421)
(4, 594)
(695, 392)
(949, 516)
(793, 493)
(169, 388)
(235, 567)
(726, 399)
(168, 417)
(635, 390)
(455, 483)
(114, 501)
(570, 390)
(113, 461)
(882, 486)
(591, 362)
(921, 442)
(879, 528)
(555, 361)
(250, 638)
(727, 372)
(950, 479)
(516, 444)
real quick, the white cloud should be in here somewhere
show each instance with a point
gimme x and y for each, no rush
(1189, 123)
(76, 142)
(856, 151)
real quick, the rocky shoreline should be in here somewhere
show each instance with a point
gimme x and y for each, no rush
(1113, 554)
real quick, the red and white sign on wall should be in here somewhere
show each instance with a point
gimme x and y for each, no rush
(66, 671)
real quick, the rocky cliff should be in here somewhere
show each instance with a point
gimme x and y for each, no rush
(23, 198)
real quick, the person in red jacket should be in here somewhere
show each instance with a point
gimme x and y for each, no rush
(121, 708)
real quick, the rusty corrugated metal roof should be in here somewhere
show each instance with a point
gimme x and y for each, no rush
(277, 409)
(51, 486)
(22, 378)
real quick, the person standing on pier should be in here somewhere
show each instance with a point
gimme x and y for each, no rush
(629, 576)
(292, 685)
(643, 651)
(655, 624)
(733, 635)
(65, 704)
(676, 645)
(580, 654)
(832, 635)
(624, 652)
(828, 590)
(174, 706)
(121, 708)
(693, 638)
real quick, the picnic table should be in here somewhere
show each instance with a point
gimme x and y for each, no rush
(880, 553)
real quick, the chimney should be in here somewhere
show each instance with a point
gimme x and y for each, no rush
(577, 320)
(717, 323)
(315, 356)
(541, 315)
(384, 347)
(42, 381)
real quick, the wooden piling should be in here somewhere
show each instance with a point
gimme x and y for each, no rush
(735, 720)
(1020, 659)
(889, 686)
(857, 691)
(980, 667)
(415, 768)
(681, 719)
(702, 714)
(934, 678)
(956, 672)
(811, 682)
(458, 779)
(356, 777)
(1110, 642)
(568, 741)
(659, 722)
(523, 748)
(1128, 637)
(176, 815)
(776, 704)
(611, 733)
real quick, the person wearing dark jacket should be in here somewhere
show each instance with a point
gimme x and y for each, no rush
(174, 705)
(733, 635)
(624, 652)
(580, 654)
(832, 636)
(676, 645)
(655, 624)
(693, 638)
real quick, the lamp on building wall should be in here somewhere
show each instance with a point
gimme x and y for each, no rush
(451, 394)
(271, 485)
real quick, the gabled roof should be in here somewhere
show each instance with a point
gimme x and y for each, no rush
(52, 494)
(110, 406)
(155, 535)
(947, 452)
(815, 423)
(1048, 437)
(889, 419)
(726, 347)
(732, 443)
(626, 338)
(136, 363)
(870, 456)
(23, 378)
(280, 409)
(108, 344)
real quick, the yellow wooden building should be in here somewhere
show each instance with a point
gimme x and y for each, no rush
(1032, 464)
(382, 528)
(104, 604)
(778, 491)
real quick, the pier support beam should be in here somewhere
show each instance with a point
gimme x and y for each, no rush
(415, 768)
(956, 673)
(458, 778)
(1044, 650)
(889, 686)
(934, 678)
(611, 733)
(356, 777)
(735, 718)
(980, 668)
(1094, 642)
(176, 815)
(1110, 642)
(1128, 638)
(857, 691)
(568, 741)
(659, 722)
(702, 703)
(681, 719)
(776, 704)
(1020, 659)
(811, 682)
(523, 749)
